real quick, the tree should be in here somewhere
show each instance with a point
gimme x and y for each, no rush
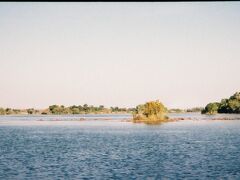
(211, 108)
(101, 107)
(75, 111)
(236, 96)
(2, 111)
(231, 105)
(55, 109)
(115, 109)
(234, 105)
(80, 108)
(9, 111)
(85, 108)
(30, 111)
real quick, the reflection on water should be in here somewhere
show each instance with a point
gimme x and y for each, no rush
(119, 150)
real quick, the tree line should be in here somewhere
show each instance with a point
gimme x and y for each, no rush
(61, 109)
(230, 105)
(83, 109)
(177, 110)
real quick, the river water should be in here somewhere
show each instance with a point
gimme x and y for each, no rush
(108, 147)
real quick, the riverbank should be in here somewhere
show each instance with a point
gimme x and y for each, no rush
(104, 120)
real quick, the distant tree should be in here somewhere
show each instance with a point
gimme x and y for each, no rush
(195, 109)
(101, 107)
(80, 108)
(211, 108)
(131, 110)
(30, 111)
(75, 110)
(234, 105)
(91, 108)
(231, 105)
(53, 108)
(9, 111)
(177, 110)
(112, 109)
(2, 111)
(56, 109)
(236, 96)
(85, 108)
(123, 109)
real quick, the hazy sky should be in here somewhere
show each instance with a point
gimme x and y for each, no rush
(118, 54)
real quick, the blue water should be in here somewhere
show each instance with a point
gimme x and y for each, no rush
(199, 149)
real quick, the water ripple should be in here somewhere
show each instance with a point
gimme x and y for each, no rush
(178, 150)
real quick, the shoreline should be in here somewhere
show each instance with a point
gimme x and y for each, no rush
(83, 121)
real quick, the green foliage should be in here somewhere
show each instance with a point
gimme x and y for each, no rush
(30, 111)
(55, 109)
(2, 111)
(195, 109)
(8, 111)
(74, 109)
(101, 107)
(85, 109)
(236, 96)
(175, 110)
(153, 108)
(234, 105)
(16, 111)
(152, 112)
(211, 108)
(231, 105)
(60, 109)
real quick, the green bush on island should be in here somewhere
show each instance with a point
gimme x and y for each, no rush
(152, 112)
(231, 105)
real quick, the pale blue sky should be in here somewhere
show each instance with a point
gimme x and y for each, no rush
(118, 54)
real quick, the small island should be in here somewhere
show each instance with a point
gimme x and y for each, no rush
(231, 105)
(153, 112)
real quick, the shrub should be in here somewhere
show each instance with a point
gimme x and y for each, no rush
(152, 112)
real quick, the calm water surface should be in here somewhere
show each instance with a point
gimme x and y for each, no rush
(98, 149)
